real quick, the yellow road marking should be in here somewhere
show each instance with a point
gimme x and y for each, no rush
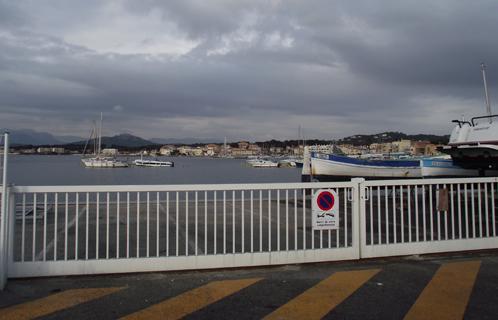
(53, 303)
(319, 300)
(193, 300)
(447, 294)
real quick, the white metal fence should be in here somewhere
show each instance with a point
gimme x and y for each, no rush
(109, 229)
(428, 216)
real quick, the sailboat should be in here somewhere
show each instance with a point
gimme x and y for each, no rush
(99, 161)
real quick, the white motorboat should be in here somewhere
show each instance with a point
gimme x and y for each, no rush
(98, 161)
(474, 144)
(262, 163)
(446, 168)
(153, 163)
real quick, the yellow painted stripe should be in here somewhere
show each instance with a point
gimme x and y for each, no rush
(193, 300)
(447, 294)
(319, 300)
(54, 302)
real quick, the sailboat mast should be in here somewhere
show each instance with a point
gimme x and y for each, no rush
(100, 135)
(488, 105)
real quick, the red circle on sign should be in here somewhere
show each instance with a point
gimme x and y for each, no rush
(325, 200)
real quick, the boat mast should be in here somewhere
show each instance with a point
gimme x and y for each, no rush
(100, 135)
(488, 105)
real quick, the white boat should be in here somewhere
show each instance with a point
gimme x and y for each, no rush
(474, 144)
(99, 161)
(446, 168)
(262, 163)
(331, 167)
(153, 163)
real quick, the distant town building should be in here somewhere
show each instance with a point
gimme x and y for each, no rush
(166, 150)
(112, 152)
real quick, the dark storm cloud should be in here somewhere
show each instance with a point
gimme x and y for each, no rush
(245, 69)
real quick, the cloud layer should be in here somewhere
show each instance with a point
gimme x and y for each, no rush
(245, 69)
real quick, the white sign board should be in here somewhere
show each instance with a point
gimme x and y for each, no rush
(325, 210)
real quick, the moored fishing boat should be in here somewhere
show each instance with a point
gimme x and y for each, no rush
(153, 163)
(331, 167)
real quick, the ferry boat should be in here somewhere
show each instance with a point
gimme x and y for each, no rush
(153, 163)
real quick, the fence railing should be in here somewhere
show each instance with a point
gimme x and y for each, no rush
(426, 216)
(250, 224)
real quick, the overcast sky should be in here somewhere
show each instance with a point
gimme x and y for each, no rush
(245, 69)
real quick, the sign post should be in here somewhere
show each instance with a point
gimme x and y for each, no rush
(325, 210)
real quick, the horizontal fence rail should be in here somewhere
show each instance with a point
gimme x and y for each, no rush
(428, 216)
(74, 230)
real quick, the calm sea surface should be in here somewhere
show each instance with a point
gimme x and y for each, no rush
(68, 170)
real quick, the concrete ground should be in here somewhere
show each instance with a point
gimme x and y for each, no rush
(430, 287)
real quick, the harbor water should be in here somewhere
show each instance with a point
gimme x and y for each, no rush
(68, 170)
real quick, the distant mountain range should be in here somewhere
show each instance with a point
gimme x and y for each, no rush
(120, 140)
(36, 138)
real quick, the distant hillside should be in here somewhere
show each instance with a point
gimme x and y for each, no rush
(185, 140)
(30, 137)
(361, 139)
(121, 140)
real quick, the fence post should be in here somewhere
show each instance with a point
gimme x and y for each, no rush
(358, 213)
(4, 215)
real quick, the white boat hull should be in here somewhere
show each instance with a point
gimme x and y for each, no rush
(153, 163)
(103, 163)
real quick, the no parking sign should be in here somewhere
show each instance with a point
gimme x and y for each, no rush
(325, 210)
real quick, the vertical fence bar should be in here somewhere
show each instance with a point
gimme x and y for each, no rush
(431, 213)
(196, 222)
(233, 221)
(157, 223)
(459, 213)
(395, 229)
(252, 221)
(278, 220)
(445, 215)
(97, 228)
(346, 217)
(287, 221)
(452, 213)
(56, 211)
(23, 228)
(480, 208)
(107, 243)
(45, 226)
(295, 219)
(466, 213)
(118, 202)
(127, 224)
(473, 211)
(138, 225)
(337, 231)
(177, 222)
(205, 223)
(77, 217)
(386, 206)
(424, 222)
(304, 219)
(260, 220)
(224, 222)
(493, 208)
(66, 209)
(269, 220)
(416, 214)
(409, 205)
(438, 213)
(379, 220)
(186, 223)
(243, 221)
(215, 214)
(87, 210)
(34, 226)
(148, 226)
(167, 224)
(402, 214)
(486, 208)
(370, 200)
